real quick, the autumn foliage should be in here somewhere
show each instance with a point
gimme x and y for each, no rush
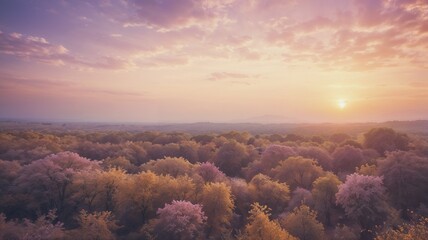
(233, 185)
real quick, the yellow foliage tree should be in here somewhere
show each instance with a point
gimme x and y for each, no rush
(94, 226)
(218, 206)
(302, 223)
(324, 195)
(417, 231)
(259, 226)
(269, 192)
(135, 195)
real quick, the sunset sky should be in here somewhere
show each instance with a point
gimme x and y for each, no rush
(214, 60)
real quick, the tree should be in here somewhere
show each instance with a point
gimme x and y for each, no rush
(297, 172)
(179, 220)
(158, 151)
(210, 173)
(87, 188)
(294, 138)
(189, 150)
(323, 193)
(169, 165)
(259, 226)
(9, 171)
(347, 158)
(207, 152)
(343, 232)
(231, 157)
(169, 189)
(339, 137)
(110, 181)
(367, 169)
(135, 197)
(302, 223)
(318, 154)
(385, 139)
(43, 228)
(269, 192)
(406, 179)
(241, 137)
(242, 196)
(410, 231)
(203, 139)
(48, 180)
(94, 226)
(218, 206)
(119, 162)
(271, 156)
(300, 196)
(363, 198)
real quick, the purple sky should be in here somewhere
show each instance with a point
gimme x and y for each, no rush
(217, 60)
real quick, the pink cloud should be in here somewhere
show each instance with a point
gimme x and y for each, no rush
(172, 14)
(30, 47)
(163, 60)
(18, 84)
(378, 33)
(38, 49)
(232, 77)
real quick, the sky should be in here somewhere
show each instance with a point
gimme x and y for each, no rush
(178, 61)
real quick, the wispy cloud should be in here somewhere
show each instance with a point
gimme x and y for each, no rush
(377, 34)
(39, 49)
(232, 77)
(171, 14)
(16, 83)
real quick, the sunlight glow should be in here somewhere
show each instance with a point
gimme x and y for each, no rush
(341, 103)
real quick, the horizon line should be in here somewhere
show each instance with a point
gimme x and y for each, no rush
(41, 121)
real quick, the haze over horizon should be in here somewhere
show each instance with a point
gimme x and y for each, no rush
(214, 61)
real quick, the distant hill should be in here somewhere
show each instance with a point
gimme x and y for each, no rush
(414, 127)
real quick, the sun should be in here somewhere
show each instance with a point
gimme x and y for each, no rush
(342, 103)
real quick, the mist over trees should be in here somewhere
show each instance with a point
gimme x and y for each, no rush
(229, 185)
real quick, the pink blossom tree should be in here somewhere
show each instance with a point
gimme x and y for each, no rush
(210, 173)
(363, 199)
(48, 180)
(179, 220)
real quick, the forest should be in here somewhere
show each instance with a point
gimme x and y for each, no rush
(221, 185)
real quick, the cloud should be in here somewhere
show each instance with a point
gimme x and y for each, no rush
(14, 83)
(231, 77)
(173, 14)
(373, 34)
(38, 49)
(8, 81)
(162, 60)
(30, 47)
(116, 35)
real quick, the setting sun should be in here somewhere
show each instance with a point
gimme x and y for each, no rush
(341, 103)
(214, 61)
